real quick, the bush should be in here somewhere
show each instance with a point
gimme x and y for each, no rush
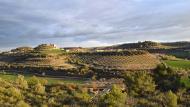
(146, 103)
(84, 69)
(34, 80)
(22, 104)
(140, 83)
(21, 82)
(166, 78)
(170, 99)
(39, 88)
(114, 98)
(14, 92)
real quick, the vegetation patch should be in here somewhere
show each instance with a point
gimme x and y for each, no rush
(185, 81)
(184, 54)
(126, 62)
(180, 64)
(12, 77)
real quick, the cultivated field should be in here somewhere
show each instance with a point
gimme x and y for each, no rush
(183, 64)
(127, 62)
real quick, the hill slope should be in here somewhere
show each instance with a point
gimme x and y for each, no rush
(123, 62)
(151, 45)
(44, 57)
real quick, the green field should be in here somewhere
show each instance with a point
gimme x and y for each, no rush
(183, 64)
(12, 77)
(185, 81)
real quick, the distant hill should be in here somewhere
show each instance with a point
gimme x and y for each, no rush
(49, 58)
(150, 45)
(177, 44)
(131, 56)
(22, 50)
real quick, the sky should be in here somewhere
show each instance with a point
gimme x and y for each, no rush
(90, 23)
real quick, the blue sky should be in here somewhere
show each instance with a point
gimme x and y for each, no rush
(92, 22)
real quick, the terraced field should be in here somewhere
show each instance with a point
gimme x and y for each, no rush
(132, 62)
(36, 59)
(57, 61)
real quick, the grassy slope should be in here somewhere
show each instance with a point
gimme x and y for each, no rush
(51, 57)
(12, 77)
(180, 64)
(185, 81)
(183, 64)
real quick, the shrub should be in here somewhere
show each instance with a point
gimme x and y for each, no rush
(21, 82)
(34, 80)
(166, 78)
(140, 83)
(114, 98)
(14, 92)
(39, 88)
(22, 104)
(170, 99)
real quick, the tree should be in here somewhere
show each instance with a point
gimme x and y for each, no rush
(114, 98)
(170, 99)
(21, 82)
(140, 83)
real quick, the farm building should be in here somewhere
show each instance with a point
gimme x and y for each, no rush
(75, 49)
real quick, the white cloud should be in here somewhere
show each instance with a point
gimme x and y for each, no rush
(92, 23)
